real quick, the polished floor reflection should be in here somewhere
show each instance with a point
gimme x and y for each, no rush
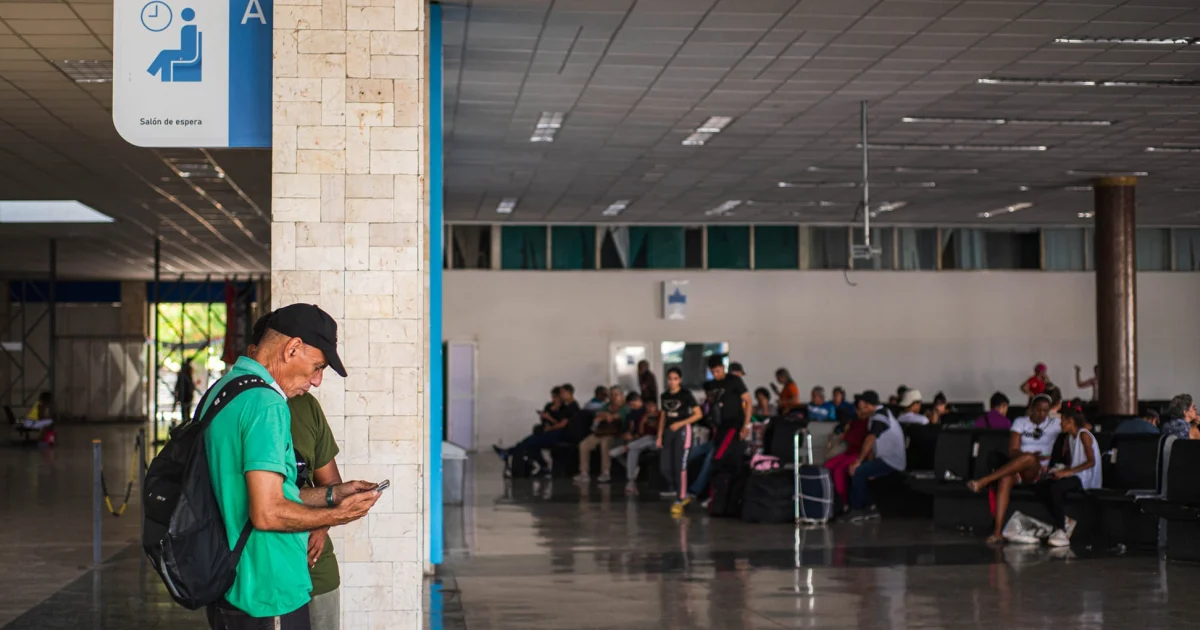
(538, 554)
(547, 555)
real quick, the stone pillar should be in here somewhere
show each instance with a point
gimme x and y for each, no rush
(348, 233)
(1116, 295)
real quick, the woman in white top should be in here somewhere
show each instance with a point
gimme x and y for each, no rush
(1030, 443)
(1081, 473)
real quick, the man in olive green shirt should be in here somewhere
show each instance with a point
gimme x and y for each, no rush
(254, 471)
(315, 450)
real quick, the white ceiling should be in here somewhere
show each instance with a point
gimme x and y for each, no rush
(635, 77)
(57, 141)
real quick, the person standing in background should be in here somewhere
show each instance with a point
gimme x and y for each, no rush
(185, 390)
(646, 382)
(1090, 383)
(1036, 384)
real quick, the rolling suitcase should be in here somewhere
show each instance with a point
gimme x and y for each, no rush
(814, 488)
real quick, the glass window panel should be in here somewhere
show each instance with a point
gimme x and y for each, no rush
(523, 247)
(776, 247)
(471, 247)
(614, 248)
(1065, 249)
(656, 247)
(1187, 249)
(729, 247)
(1153, 249)
(573, 247)
(829, 248)
(918, 248)
(881, 238)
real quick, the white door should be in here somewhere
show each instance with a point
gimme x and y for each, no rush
(623, 362)
(460, 393)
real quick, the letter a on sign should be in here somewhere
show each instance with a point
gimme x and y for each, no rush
(192, 73)
(254, 12)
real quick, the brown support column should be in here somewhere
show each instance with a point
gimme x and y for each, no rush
(1116, 294)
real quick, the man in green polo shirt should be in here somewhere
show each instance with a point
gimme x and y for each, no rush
(254, 470)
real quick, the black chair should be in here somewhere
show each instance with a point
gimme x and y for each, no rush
(1130, 468)
(26, 433)
(1180, 504)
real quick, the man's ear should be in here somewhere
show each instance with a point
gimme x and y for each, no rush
(292, 349)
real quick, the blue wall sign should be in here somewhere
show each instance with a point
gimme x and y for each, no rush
(192, 73)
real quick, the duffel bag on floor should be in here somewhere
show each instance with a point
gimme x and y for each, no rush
(768, 498)
(728, 489)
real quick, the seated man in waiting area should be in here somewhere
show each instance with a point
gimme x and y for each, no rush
(1031, 442)
(605, 427)
(554, 433)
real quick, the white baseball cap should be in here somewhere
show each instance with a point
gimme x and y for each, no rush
(911, 396)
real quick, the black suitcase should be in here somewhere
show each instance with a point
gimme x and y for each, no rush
(728, 491)
(779, 438)
(769, 498)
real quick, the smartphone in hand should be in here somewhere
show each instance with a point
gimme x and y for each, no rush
(383, 485)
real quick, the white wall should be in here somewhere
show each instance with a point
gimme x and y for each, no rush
(965, 333)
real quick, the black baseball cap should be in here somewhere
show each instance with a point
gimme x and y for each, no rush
(871, 397)
(308, 323)
(736, 367)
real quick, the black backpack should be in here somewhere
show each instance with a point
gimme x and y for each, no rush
(182, 529)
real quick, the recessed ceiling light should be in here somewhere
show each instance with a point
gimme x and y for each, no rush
(724, 208)
(1088, 82)
(547, 125)
(1139, 41)
(1172, 149)
(1006, 121)
(955, 147)
(1078, 188)
(1086, 215)
(890, 206)
(1016, 207)
(507, 205)
(50, 212)
(715, 124)
(81, 71)
(819, 204)
(616, 207)
(1108, 173)
(696, 139)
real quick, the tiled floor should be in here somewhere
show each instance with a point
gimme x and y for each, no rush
(559, 555)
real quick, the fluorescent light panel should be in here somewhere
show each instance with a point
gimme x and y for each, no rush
(921, 170)
(1043, 81)
(547, 125)
(507, 205)
(1006, 121)
(1172, 149)
(707, 129)
(1016, 207)
(890, 206)
(1135, 41)
(82, 71)
(724, 208)
(616, 208)
(50, 212)
(1086, 215)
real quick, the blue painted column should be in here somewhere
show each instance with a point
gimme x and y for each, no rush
(436, 385)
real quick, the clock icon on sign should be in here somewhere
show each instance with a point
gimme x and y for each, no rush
(156, 16)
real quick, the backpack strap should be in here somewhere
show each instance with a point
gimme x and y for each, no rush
(243, 538)
(224, 396)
